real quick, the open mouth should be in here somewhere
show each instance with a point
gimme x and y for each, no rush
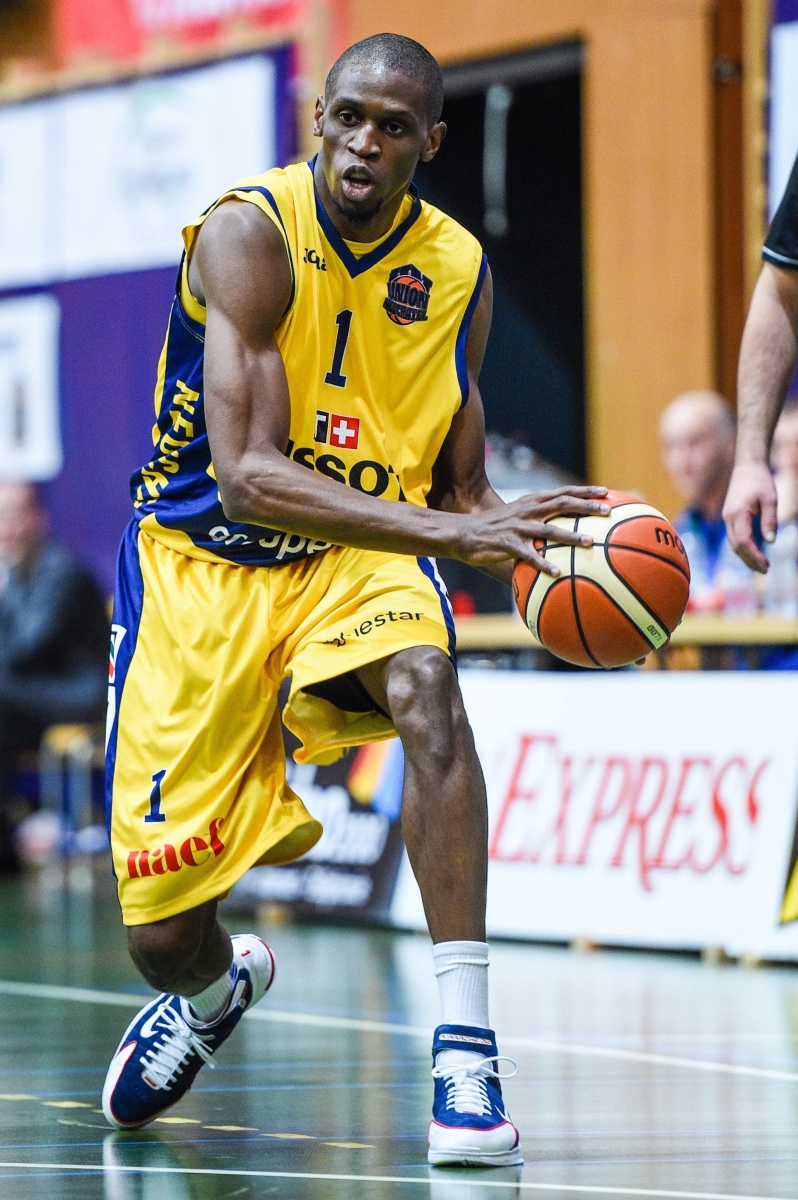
(356, 184)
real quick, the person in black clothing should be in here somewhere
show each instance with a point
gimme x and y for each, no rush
(767, 364)
(54, 637)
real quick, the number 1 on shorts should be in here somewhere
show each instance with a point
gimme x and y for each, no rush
(155, 813)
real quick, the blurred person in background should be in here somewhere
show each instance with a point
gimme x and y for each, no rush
(784, 462)
(779, 589)
(54, 637)
(697, 436)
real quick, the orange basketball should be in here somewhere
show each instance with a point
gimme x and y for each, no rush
(617, 600)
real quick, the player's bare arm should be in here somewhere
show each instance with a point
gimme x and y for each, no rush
(767, 362)
(248, 418)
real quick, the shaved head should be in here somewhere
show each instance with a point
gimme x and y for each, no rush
(697, 435)
(392, 52)
(700, 406)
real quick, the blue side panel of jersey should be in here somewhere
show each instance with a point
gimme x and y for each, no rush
(175, 486)
(462, 333)
(128, 603)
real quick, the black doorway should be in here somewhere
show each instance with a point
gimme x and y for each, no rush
(511, 161)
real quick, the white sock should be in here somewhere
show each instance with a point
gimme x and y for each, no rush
(210, 1003)
(461, 969)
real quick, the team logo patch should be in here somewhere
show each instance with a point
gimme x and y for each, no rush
(408, 295)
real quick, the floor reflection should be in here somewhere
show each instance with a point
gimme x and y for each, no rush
(324, 1107)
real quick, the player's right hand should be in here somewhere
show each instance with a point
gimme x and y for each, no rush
(751, 493)
(510, 532)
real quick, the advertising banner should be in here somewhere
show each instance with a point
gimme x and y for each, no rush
(648, 809)
(102, 180)
(126, 29)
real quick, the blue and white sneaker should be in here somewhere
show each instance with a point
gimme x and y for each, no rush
(470, 1125)
(164, 1046)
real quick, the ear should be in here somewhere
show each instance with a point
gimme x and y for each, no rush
(318, 117)
(433, 142)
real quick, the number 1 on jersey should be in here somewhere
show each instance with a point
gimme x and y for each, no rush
(344, 322)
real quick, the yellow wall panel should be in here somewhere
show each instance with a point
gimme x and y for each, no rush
(648, 196)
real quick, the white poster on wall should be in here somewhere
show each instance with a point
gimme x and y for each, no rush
(143, 159)
(783, 109)
(30, 212)
(30, 436)
(638, 808)
(102, 180)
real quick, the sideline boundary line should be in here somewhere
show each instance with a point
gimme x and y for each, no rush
(573, 1189)
(39, 991)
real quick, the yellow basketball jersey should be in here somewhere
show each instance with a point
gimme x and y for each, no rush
(373, 343)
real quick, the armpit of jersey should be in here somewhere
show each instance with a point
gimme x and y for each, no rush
(781, 243)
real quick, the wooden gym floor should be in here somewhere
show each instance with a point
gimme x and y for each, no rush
(639, 1075)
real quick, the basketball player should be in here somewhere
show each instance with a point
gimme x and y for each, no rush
(319, 439)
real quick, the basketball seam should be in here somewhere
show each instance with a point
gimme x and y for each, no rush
(613, 600)
(651, 554)
(625, 521)
(578, 619)
(639, 599)
(530, 589)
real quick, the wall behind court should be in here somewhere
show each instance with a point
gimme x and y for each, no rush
(95, 186)
(648, 197)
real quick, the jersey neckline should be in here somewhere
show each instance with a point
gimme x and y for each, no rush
(354, 265)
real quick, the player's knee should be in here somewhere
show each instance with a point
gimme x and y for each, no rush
(425, 701)
(165, 950)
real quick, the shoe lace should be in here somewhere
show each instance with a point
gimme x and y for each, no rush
(466, 1090)
(164, 1061)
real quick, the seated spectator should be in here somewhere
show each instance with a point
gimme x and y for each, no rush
(780, 585)
(697, 434)
(54, 637)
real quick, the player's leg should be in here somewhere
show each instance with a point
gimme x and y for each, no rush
(444, 806)
(197, 794)
(185, 953)
(198, 1007)
(374, 658)
(445, 827)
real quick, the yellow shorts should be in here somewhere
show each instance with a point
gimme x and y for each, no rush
(195, 769)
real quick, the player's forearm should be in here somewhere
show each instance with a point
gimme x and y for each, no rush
(478, 498)
(265, 488)
(767, 361)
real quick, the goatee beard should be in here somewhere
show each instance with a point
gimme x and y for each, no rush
(355, 214)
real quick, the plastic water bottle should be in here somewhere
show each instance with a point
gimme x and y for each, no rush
(737, 584)
(781, 581)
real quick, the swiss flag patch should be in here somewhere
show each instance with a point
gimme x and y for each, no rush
(344, 432)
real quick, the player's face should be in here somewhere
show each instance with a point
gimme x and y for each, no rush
(374, 129)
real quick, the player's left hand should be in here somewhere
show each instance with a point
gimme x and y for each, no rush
(751, 493)
(515, 531)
